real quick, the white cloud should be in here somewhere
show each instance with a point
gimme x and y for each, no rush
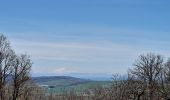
(71, 51)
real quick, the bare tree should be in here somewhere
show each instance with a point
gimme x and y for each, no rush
(118, 89)
(148, 69)
(135, 89)
(20, 74)
(6, 58)
(164, 81)
(12, 67)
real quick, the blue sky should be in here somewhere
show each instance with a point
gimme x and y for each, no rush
(85, 36)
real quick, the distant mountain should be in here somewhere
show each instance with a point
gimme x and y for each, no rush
(91, 76)
(58, 80)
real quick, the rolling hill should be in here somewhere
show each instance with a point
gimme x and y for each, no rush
(58, 84)
(60, 81)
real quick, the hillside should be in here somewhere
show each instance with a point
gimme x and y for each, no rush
(60, 81)
(58, 84)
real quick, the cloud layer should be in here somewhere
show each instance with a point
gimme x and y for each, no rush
(97, 56)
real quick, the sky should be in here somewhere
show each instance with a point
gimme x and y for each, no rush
(86, 36)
